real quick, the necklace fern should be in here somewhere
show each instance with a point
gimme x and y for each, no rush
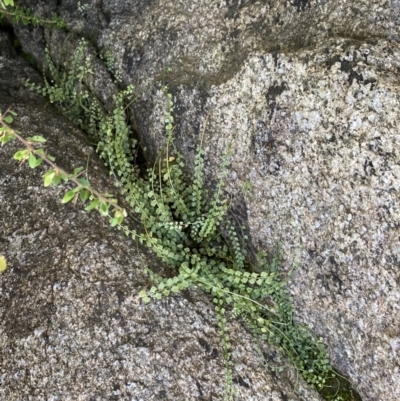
(9, 8)
(189, 227)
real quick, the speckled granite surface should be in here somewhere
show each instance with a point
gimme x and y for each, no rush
(72, 326)
(307, 93)
(321, 149)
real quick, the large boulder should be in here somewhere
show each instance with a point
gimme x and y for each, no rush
(72, 326)
(307, 95)
(316, 146)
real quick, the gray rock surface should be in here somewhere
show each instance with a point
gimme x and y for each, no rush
(307, 93)
(321, 149)
(72, 326)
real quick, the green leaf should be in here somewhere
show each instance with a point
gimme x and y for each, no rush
(33, 161)
(92, 205)
(56, 179)
(76, 171)
(6, 138)
(39, 162)
(104, 208)
(68, 196)
(8, 119)
(83, 182)
(115, 221)
(63, 176)
(36, 138)
(21, 154)
(48, 178)
(84, 195)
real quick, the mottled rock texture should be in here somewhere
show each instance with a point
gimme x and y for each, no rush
(307, 93)
(72, 326)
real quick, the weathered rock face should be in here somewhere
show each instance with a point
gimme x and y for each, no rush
(72, 326)
(307, 93)
(321, 149)
(205, 43)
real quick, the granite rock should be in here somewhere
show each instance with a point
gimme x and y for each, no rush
(72, 326)
(306, 92)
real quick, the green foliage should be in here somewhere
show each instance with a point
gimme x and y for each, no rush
(8, 8)
(5, 3)
(247, 187)
(35, 154)
(109, 61)
(81, 7)
(186, 225)
(67, 90)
